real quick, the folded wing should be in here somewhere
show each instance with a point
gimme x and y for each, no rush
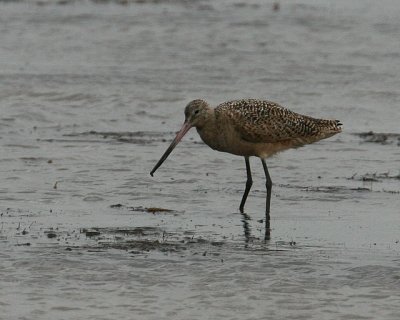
(262, 121)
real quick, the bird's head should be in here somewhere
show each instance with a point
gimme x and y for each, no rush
(196, 113)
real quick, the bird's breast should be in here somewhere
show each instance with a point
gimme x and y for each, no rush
(214, 138)
(226, 139)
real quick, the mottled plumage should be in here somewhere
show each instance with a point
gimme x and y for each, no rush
(251, 127)
(268, 122)
(260, 128)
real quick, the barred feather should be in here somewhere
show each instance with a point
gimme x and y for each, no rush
(262, 121)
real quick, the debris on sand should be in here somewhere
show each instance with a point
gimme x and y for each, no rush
(335, 189)
(135, 231)
(144, 239)
(23, 244)
(142, 209)
(155, 209)
(118, 205)
(380, 178)
(382, 138)
(137, 137)
(51, 234)
(374, 177)
(90, 232)
(140, 246)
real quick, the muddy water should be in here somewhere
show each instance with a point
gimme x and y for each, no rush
(92, 93)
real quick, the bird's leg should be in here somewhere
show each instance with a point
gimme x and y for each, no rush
(249, 183)
(268, 184)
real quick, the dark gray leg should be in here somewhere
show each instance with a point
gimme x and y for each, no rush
(268, 184)
(249, 183)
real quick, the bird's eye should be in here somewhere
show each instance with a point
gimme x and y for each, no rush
(197, 112)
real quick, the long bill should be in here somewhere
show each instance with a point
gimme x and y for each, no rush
(185, 128)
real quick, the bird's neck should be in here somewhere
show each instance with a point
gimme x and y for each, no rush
(207, 121)
(208, 129)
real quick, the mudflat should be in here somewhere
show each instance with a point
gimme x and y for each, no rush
(93, 92)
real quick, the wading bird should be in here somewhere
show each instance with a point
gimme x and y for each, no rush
(251, 127)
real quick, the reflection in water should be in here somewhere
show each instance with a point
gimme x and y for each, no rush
(267, 234)
(247, 228)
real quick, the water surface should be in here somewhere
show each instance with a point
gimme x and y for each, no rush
(93, 92)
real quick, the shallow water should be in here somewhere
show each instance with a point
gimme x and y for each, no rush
(91, 95)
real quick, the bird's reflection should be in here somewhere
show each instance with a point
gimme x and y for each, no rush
(267, 234)
(247, 228)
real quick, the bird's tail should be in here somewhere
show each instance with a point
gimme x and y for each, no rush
(329, 126)
(336, 125)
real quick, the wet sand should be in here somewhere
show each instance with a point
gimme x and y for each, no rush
(92, 94)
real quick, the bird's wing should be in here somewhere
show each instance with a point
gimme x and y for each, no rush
(261, 121)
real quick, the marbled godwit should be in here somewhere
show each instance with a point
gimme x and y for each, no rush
(252, 128)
